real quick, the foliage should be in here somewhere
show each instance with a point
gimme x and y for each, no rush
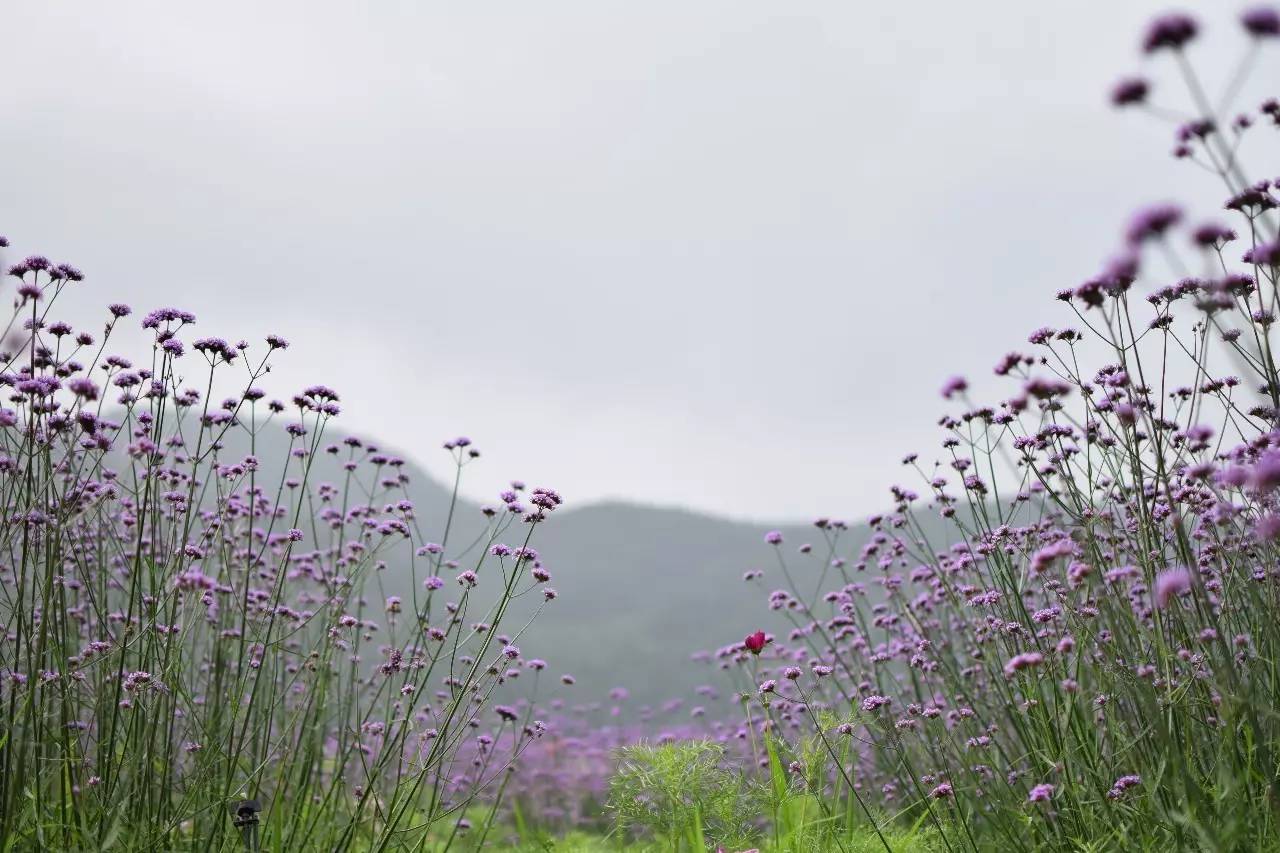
(683, 793)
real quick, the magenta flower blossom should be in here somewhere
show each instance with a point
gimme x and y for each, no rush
(1130, 91)
(872, 703)
(1261, 22)
(1263, 254)
(1152, 223)
(1123, 784)
(1213, 235)
(1267, 528)
(1019, 662)
(1040, 793)
(1265, 475)
(1172, 32)
(1171, 583)
(953, 386)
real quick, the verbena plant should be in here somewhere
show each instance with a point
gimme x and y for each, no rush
(1071, 641)
(189, 661)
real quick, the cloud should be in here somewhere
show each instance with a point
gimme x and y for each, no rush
(718, 254)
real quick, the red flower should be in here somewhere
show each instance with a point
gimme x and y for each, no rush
(755, 643)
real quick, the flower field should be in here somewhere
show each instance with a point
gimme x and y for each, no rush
(1060, 634)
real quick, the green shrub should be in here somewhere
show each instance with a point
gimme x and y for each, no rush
(684, 794)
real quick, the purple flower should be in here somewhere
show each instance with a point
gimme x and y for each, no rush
(1265, 475)
(1043, 558)
(1019, 662)
(1152, 222)
(871, 703)
(1211, 235)
(1044, 388)
(322, 392)
(1040, 793)
(67, 272)
(83, 388)
(215, 347)
(1130, 91)
(1171, 583)
(1254, 199)
(1170, 31)
(773, 537)
(1261, 22)
(1267, 527)
(163, 315)
(42, 386)
(1263, 254)
(954, 385)
(1123, 784)
(136, 680)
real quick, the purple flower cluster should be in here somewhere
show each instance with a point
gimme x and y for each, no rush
(1083, 588)
(186, 598)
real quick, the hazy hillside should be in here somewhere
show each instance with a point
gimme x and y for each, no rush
(642, 588)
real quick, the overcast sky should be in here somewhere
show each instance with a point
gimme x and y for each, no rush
(714, 254)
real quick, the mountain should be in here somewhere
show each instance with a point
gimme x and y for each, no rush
(641, 588)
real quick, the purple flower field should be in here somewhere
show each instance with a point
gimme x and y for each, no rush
(227, 625)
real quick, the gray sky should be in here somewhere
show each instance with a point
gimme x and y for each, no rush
(716, 254)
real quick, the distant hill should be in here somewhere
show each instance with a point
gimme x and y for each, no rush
(644, 587)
